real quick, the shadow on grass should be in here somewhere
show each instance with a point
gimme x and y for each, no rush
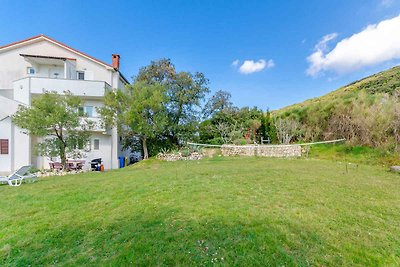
(164, 238)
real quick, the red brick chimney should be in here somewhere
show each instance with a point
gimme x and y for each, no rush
(115, 61)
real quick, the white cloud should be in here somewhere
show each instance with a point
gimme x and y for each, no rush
(270, 64)
(377, 43)
(251, 66)
(235, 63)
(323, 43)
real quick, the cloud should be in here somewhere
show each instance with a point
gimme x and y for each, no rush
(376, 44)
(323, 43)
(251, 66)
(235, 63)
(270, 64)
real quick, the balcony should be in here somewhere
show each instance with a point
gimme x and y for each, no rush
(83, 88)
(98, 125)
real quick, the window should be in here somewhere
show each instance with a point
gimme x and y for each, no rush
(30, 71)
(88, 111)
(80, 75)
(4, 146)
(96, 144)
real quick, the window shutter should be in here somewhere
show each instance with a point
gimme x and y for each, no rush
(4, 146)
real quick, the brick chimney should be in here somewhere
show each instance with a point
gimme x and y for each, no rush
(115, 61)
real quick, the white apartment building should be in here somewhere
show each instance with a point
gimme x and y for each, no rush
(38, 64)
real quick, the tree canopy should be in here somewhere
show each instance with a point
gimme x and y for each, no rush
(162, 106)
(58, 120)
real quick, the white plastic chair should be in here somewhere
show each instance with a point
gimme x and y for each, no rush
(16, 178)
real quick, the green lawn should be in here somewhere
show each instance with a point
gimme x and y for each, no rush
(219, 211)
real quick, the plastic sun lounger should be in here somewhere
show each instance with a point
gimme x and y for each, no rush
(19, 176)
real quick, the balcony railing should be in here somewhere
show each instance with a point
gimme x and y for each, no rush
(38, 85)
(98, 125)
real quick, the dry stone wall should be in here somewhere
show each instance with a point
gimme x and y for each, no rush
(179, 156)
(282, 151)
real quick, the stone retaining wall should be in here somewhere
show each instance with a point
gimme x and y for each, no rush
(179, 156)
(262, 150)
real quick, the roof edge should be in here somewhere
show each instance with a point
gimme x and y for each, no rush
(22, 41)
(42, 36)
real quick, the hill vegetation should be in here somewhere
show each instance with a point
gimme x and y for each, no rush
(164, 109)
(366, 113)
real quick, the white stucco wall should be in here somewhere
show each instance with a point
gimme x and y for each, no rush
(22, 91)
(104, 151)
(6, 133)
(22, 148)
(7, 93)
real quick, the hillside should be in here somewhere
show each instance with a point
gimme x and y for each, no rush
(383, 82)
(365, 112)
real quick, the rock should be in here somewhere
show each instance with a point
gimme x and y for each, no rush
(395, 168)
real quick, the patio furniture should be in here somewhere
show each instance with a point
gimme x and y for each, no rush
(75, 164)
(19, 176)
(71, 166)
(57, 166)
(79, 166)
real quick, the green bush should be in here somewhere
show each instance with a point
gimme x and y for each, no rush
(240, 142)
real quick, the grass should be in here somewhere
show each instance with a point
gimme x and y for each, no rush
(218, 211)
(355, 154)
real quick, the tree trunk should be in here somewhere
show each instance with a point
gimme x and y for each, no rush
(145, 151)
(63, 147)
(63, 157)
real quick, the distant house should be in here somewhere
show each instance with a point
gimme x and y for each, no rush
(38, 64)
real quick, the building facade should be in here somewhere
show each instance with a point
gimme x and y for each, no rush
(29, 68)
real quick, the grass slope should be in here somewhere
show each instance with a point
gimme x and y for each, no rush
(223, 211)
(354, 154)
(383, 82)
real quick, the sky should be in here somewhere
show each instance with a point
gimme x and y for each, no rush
(268, 54)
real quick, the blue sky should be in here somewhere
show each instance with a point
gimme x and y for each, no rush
(208, 36)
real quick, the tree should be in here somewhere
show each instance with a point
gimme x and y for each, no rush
(146, 115)
(185, 92)
(58, 120)
(157, 72)
(162, 107)
(267, 129)
(220, 101)
(139, 112)
(286, 129)
(232, 125)
(185, 95)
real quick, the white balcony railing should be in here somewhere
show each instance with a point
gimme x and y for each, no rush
(77, 87)
(98, 125)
